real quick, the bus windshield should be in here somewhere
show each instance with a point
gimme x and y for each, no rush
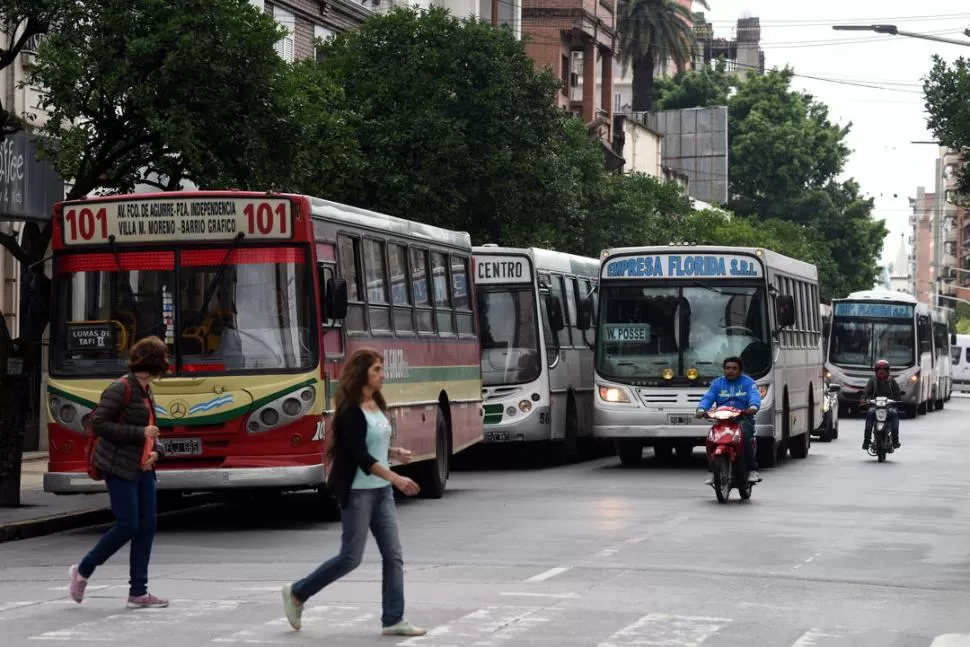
(860, 342)
(509, 335)
(644, 330)
(219, 312)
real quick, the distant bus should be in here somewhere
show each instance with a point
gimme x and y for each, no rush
(878, 324)
(537, 370)
(668, 317)
(260, 297)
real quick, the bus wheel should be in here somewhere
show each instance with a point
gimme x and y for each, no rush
(432, 476)
(568, 448)
(630, 451)
(767, 452)
(799, 445)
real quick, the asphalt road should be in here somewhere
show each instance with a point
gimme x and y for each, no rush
(832, 551)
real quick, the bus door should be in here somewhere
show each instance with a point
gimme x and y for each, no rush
(556, 336)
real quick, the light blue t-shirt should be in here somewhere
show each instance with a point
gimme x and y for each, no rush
(378, 444)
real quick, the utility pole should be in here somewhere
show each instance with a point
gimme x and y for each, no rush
(892, 30)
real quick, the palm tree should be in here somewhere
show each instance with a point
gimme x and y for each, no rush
(652, 32)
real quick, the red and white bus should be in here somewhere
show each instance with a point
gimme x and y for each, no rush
(260, 298)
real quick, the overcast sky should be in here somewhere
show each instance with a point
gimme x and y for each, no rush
(884, 121)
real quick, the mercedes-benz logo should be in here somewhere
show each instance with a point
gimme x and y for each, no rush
(179, 409)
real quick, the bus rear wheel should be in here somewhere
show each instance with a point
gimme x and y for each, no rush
(432, 475)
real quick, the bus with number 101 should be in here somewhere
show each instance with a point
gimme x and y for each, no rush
(260, 298)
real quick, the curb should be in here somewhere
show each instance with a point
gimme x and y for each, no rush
(85, 517)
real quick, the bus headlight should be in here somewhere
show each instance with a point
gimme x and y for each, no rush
(68, 414)
(692, 374)
(613, 394)
(525, 406)
(282, 411)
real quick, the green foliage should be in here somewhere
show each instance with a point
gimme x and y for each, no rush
(652, 32)
(455, 127)
(161, 91)
(947, 90)
(695, 88)
(26, 19)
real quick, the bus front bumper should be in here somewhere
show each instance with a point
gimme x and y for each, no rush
(200, 480)
(650, 433)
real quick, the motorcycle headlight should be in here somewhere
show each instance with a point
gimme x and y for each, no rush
(881, 415)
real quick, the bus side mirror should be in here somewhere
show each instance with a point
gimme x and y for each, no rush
(785, 310)
(336, 298)
(554, 309)
(835, 388)
(826, 330)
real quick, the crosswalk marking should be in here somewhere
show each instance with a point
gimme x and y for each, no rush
(811, 637)
(334, 618)
(487, 626)
(666, 629)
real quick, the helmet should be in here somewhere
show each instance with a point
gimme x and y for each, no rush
(881, 365)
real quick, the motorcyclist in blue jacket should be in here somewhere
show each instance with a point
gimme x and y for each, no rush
(735, 389)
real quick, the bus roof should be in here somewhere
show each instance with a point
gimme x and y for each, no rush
(546, 259)
(338, 212)
(881, 295)
(771, 259)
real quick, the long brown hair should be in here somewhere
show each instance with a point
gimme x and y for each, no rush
(350, 388)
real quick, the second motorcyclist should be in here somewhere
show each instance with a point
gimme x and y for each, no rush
(881, 385)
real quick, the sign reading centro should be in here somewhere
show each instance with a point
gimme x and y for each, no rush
(179, 219)
(683, 266)
(502, 269)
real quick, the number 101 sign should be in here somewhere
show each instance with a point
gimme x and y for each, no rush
(184, 219)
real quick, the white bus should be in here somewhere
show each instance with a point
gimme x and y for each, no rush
(942, 365)
(878, 324)
(537, 373)
(669, 316)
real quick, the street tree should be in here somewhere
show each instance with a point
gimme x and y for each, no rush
(163, 91)
(947, 92)
(455, 127)
(653, 32)
(705, 87)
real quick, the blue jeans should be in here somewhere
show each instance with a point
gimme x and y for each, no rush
(134, 507)
(373, 508)
(747, 430)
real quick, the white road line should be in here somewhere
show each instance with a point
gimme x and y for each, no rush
(532, 594)
(332, 617)
(487, 626)
(607, 552)
(7, 606)
(552, 572)
(810, 638)
(951, 640)
(665, 629)
(807, 561)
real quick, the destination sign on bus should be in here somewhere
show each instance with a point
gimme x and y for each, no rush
(683, 266)
(502, 269)
(875, 310)
(627, 332)
(192, 219)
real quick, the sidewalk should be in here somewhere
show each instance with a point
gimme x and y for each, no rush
(42, 513)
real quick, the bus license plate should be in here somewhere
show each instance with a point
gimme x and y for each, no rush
(678, 419)
(182, 446)
(499, 436)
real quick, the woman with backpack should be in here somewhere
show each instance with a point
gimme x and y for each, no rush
(361, 480)
(125, 452)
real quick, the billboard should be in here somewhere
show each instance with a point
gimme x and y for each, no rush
(695, 143)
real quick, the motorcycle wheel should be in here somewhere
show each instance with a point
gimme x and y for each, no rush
(722, 478)
(881, 448)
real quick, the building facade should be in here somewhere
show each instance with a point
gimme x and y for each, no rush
(576, 40)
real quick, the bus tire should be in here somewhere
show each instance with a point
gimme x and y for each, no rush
(569, 446)
(767, 452)
(432, 476)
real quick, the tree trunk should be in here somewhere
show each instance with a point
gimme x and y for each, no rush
(643, 68)
(20, 391)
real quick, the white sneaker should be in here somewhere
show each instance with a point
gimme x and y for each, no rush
(754, 477)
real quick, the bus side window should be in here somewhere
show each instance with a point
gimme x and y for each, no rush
(424, 314)
(463, 303)
(442, 296)
(348, 255)
(333, 343)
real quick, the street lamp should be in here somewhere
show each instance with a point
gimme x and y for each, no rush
(892, 30)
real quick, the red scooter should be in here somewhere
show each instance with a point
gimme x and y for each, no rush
(725, 454)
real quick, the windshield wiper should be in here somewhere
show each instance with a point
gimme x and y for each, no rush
(210, 289)
(129, 293)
